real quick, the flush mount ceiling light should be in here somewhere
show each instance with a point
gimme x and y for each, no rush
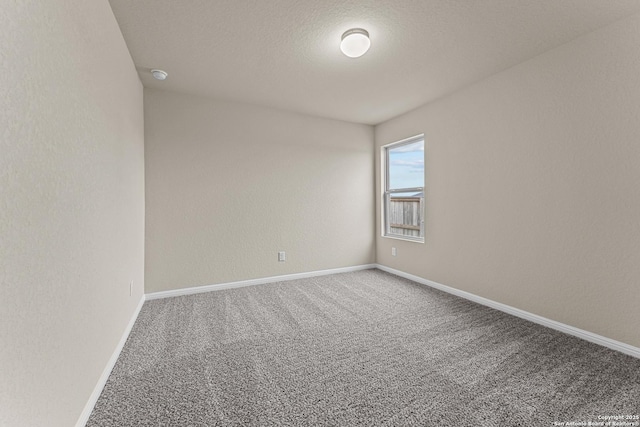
(355, 42)
(159, 74)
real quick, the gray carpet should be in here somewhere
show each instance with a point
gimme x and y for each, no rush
(356, 349)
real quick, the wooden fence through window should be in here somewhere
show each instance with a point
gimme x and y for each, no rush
(405, 216)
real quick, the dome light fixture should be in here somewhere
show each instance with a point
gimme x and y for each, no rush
(159, 74)
(355, 42)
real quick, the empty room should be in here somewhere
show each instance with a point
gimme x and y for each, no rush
(320, 213)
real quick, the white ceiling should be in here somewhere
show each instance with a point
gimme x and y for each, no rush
(285, 53)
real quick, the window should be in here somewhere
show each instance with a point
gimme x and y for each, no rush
(403, 182)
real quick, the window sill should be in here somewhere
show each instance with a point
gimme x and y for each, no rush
(406, 239)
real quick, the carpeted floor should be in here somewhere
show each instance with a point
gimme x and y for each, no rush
(356, 349)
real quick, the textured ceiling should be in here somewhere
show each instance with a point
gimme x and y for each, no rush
(285, 53)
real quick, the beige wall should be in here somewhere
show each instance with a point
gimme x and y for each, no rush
(229, 185)
(71, 204)
(533, 185)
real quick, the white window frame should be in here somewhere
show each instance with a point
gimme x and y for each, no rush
(387, 192)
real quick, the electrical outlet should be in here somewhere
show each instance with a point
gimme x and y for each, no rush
(394, 252)
(282, 256)
(131, 288)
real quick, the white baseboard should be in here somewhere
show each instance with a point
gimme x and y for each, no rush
(252, 282)
(570, 330)
(88, 407)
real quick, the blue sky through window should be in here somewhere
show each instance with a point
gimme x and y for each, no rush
(406, 166)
